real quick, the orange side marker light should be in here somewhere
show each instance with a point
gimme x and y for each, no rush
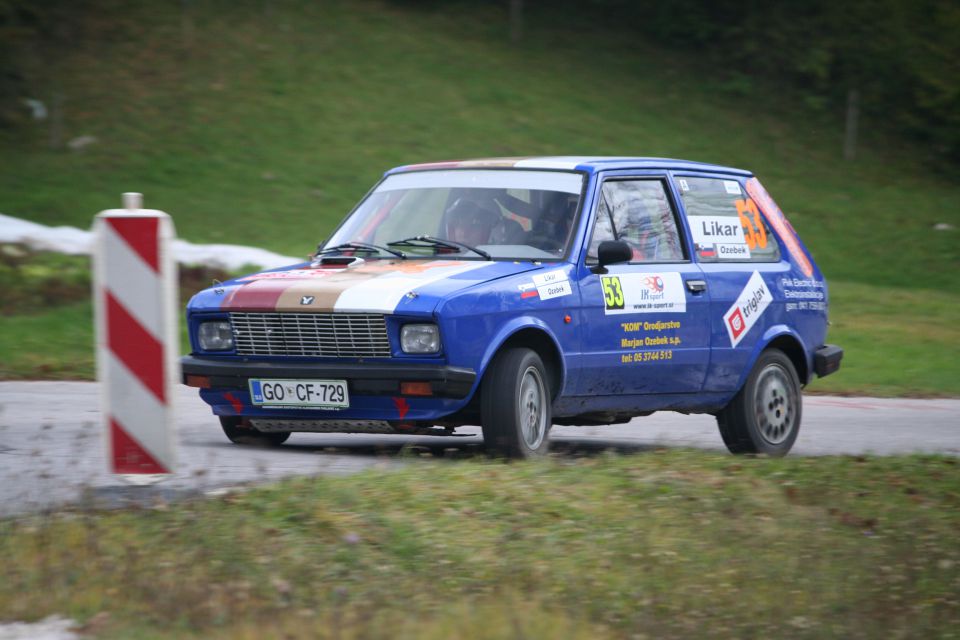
(416, 389)
(201, 382)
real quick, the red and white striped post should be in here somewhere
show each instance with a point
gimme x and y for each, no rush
(135, 301)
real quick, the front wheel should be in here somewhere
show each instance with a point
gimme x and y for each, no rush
(238, 434)
(764, 416)
(515, 405)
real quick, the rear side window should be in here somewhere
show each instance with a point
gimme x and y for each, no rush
(725, 222)
(638, 213)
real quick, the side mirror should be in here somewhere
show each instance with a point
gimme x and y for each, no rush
(612, 252)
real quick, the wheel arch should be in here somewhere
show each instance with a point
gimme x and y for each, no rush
(532, 334)
(782, 338)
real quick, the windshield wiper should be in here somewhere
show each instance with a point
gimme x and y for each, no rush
(437, 242)
(361, 246)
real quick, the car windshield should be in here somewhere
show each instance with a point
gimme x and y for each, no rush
(466, 214)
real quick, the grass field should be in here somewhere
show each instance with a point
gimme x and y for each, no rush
(659, 544)
(263, 122)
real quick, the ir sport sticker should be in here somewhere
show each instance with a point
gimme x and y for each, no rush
(750, 305)
(643, 293)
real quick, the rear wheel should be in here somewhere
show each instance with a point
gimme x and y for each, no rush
(764, 416)
(239, 434)
(515, 404)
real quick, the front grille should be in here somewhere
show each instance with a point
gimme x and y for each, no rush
(343, 335)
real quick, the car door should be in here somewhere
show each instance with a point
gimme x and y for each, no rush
(645, 323)
(742, 265)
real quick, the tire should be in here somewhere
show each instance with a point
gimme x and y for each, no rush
(238, 434)
(515, 405)
(764, 416)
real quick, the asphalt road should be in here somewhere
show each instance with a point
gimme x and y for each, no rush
(52, 449)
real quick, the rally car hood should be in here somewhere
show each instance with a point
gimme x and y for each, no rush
(373, 286)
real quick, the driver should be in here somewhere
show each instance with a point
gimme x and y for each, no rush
(550, 230)
(469, 223)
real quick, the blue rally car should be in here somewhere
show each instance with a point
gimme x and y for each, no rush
(521, 293)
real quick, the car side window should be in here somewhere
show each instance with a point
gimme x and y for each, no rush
(638, 212)
(725, 222)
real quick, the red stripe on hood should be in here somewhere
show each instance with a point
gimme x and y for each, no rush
(259, 294)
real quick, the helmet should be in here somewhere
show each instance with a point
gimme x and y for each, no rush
(470, 223)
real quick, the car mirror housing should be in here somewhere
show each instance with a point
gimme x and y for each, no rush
(612, 252)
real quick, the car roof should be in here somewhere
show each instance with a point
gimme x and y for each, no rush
(589, 164)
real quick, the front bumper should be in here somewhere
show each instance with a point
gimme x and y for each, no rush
(368, 379)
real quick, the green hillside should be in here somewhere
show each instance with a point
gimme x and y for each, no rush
(263, 122)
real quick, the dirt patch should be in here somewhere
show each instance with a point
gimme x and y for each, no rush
(35, 281)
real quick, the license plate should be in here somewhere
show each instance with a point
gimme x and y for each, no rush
(313, 394)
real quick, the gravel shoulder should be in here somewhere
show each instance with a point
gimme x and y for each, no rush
(52, 448)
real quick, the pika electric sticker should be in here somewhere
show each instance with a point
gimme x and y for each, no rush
(804, 294)
(750, 305)
(643, 293)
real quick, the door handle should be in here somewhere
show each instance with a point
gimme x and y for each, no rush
(697, 286)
